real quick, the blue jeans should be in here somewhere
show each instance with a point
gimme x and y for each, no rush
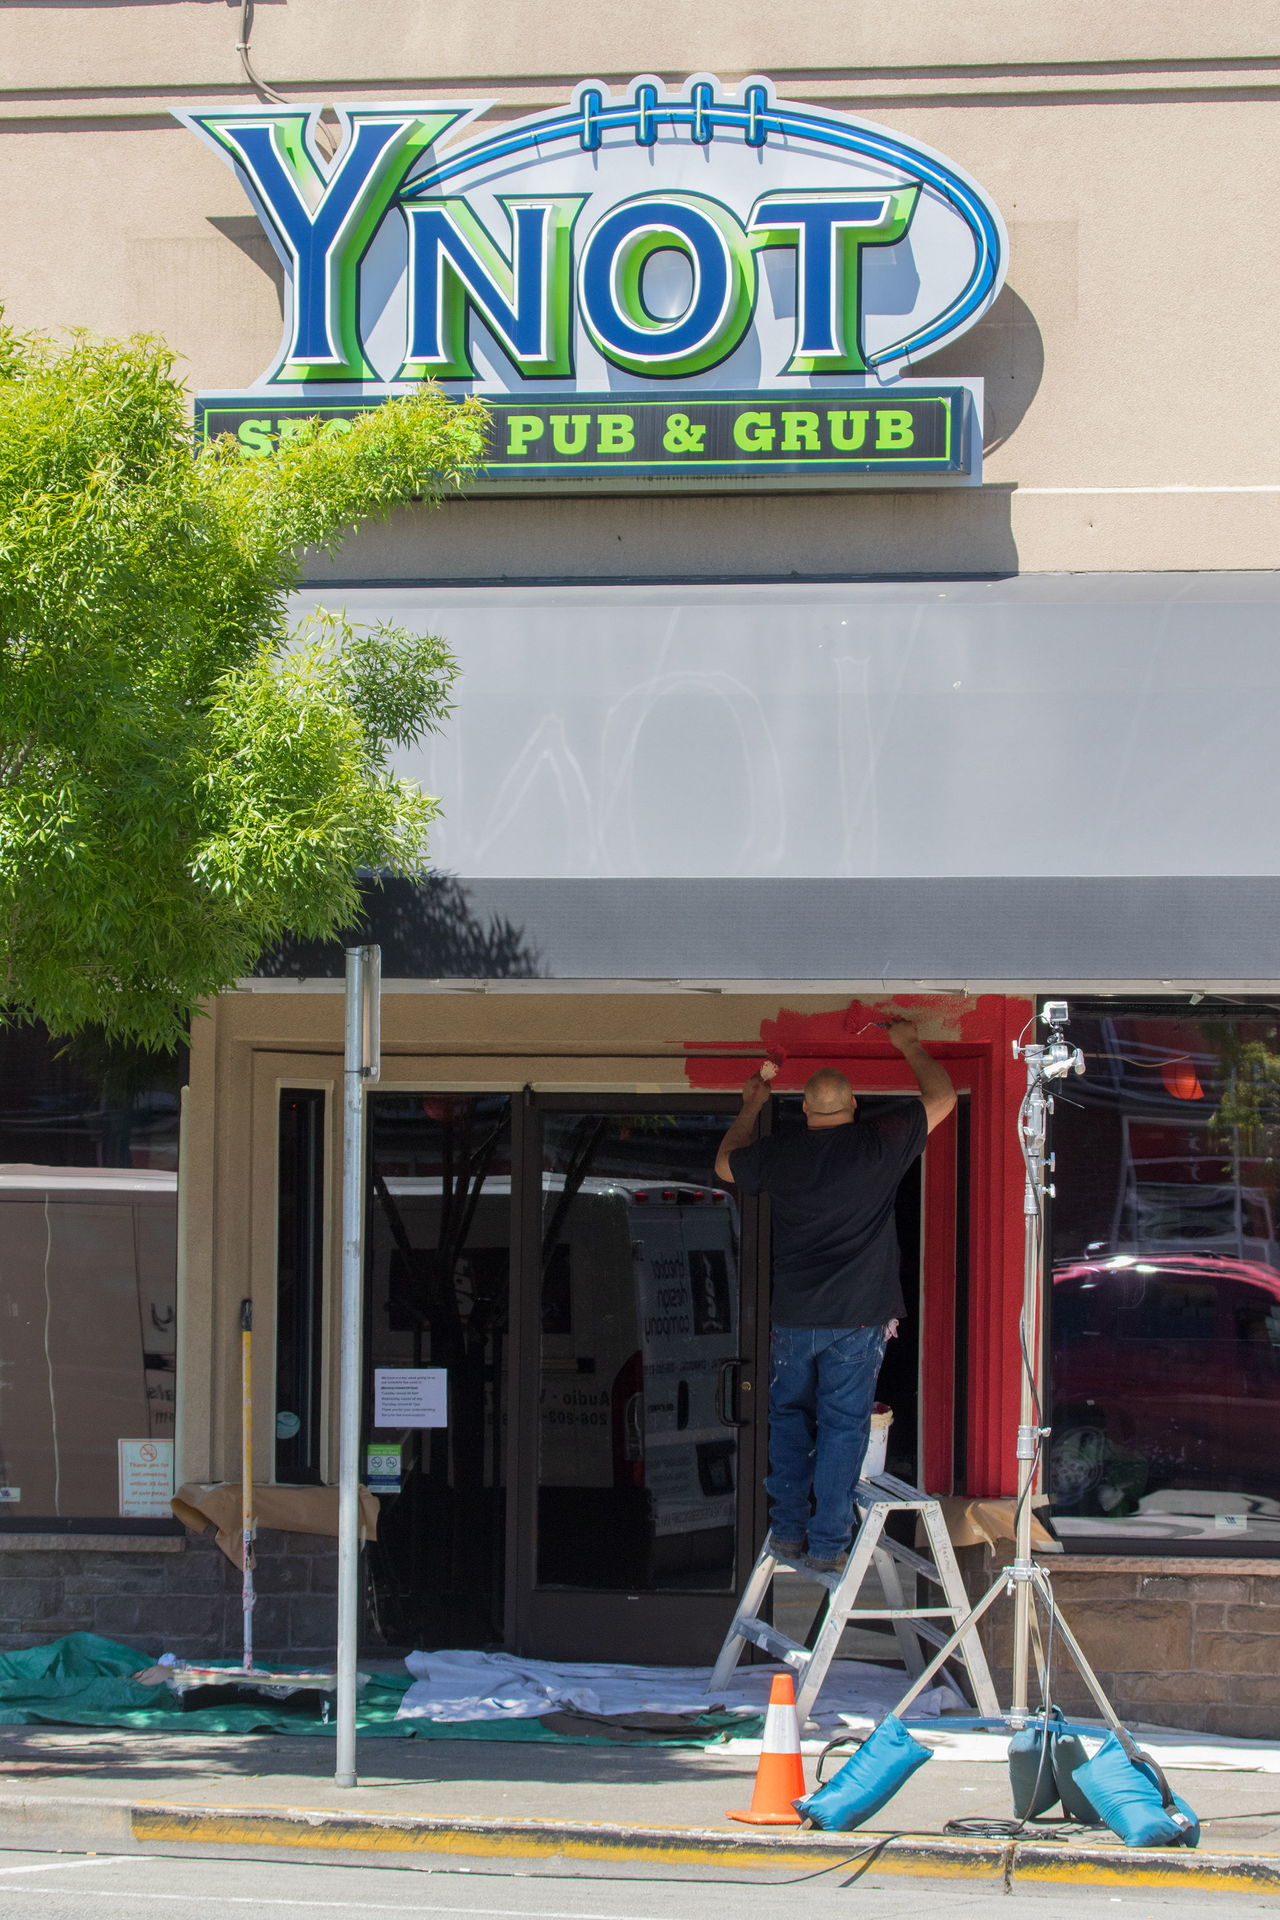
(822, 1387)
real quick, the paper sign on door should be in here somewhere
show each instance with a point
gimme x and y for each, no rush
(410, 1397)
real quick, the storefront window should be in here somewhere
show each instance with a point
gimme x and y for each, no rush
(300, 1286)
(1165, 1313)
(88, 1294)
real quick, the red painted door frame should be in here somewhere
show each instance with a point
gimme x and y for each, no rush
(975, 1039)
(938, 1311)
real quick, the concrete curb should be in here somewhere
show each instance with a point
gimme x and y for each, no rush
(120, 1826)
(64, 1822)
(67, 1823)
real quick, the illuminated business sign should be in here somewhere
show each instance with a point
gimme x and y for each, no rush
(688, 284)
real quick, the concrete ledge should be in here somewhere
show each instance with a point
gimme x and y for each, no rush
(324, 1831)
(1186, 1566)
(93, 1543)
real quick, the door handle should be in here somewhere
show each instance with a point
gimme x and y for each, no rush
(730, 1371)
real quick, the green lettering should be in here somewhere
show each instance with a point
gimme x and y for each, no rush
(255, 437)
(522, 428)
(848, 430)
(617, 433)
(681, 435)
(754, 432)
(799, 432)
(894, 429)
(569, 432)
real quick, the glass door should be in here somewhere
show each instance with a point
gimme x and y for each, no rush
(641, 1382)
(437, 1262)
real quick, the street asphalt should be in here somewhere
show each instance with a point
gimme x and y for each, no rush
(127, 1887)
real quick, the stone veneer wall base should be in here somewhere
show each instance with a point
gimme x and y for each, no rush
(170, 1594)
(1191, 1643)
(1179, 1643)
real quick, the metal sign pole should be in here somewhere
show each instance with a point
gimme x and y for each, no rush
(361, 1064)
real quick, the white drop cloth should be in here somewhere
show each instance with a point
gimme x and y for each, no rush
(455, 1684)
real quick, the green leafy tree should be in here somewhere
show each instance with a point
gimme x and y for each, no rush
(1248, 1111)
(184, 776)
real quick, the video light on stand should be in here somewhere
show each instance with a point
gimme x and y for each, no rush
(1048, 1060)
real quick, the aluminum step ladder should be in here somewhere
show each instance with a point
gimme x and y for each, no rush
(876, 1498)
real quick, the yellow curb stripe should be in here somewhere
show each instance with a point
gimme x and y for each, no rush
(1165, 1878)
(338, 1834)
(323, 1831)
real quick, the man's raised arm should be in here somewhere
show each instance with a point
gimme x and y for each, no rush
(754, 1096)
(936, 1090)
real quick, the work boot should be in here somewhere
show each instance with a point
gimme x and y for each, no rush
(784, 1549)
(827, 1566)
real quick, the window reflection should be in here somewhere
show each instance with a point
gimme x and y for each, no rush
(439, 1261)
(1165, 1317)
(300, 1220)
(88, 1263)
(638, 1453)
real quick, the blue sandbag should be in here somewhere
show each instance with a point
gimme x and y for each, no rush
(1128, 1798)
(884, 1762)
(1069, 1754)
(1031, 1777)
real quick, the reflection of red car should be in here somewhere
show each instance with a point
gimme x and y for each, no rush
(1166, 1374)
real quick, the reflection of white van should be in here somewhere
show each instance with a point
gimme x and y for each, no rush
(639, 1326)
(640, 1323)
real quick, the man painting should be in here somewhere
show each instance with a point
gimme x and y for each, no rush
(836, 1287)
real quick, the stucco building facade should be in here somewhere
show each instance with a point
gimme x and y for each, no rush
(741, 763)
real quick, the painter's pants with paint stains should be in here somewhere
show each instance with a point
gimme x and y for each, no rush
(822, 1388)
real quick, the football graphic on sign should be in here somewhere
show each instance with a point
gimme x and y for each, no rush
(731, 242)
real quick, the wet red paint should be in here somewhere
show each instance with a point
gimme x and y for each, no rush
(973, 1036)
(799, 1043)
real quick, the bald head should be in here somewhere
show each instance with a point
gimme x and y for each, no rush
(828, 1098)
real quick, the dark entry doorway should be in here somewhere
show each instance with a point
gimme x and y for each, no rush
(641, 1385)
(438, 1277)
(899, 1385)
(599, 1303)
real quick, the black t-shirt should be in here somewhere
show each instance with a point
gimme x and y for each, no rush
(835, 1247)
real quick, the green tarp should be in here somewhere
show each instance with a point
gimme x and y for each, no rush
(85, 1681)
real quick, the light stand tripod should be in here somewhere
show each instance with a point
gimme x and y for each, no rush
(1045, 1061)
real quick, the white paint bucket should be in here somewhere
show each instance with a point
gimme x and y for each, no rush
(878, 1445)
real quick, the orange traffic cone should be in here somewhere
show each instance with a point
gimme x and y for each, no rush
(780, 1774)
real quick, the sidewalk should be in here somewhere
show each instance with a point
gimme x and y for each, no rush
(82, 1790)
